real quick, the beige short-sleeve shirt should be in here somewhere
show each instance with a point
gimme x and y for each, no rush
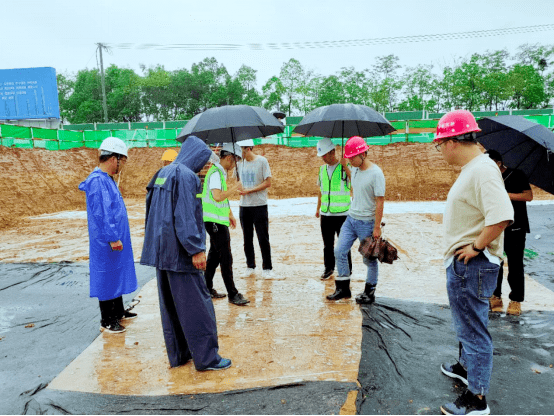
(477, 199)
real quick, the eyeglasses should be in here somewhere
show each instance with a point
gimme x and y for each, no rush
(438, 145)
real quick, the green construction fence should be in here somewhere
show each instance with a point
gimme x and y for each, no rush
(32, 137)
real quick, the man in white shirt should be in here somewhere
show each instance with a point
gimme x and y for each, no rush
(478, 210)
(255, 179)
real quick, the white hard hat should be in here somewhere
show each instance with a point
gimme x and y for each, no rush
(324, 146)
(246, 143)
(114, 145)
(232, 148)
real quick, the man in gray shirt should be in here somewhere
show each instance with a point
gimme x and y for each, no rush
(364, 219)
(255, 178)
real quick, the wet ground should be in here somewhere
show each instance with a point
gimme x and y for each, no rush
(49, 325)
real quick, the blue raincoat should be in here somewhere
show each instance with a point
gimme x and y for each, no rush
(112, 273)
(174, 225)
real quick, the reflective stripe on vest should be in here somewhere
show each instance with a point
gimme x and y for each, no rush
(335, 192)
(217, 212)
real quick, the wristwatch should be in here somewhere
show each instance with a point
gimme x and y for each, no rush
(478, 250)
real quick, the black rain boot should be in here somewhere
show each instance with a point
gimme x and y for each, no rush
(368, 295)
(342, 290)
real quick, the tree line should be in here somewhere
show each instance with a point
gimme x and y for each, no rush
(495, 80)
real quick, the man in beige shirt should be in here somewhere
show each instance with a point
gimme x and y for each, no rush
(478, 210)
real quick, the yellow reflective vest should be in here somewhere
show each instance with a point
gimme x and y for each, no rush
(335, 192)
(217, 212)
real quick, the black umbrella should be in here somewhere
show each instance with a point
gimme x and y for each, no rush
(523, 144)
(231, 123)
(344, 120)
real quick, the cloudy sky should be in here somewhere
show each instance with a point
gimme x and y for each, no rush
(262, 34)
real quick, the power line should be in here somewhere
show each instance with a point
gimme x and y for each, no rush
(334, 44)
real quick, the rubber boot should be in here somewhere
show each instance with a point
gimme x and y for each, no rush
(342, 290)
(367, 296)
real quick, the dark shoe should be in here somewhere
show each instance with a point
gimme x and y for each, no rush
(215, 295)
(114, 327)
(367, 296)
(342, 290)
(327, 275)
(238, 299)
(455, 371)
(222, 365)
(128, 315)
(467, 404)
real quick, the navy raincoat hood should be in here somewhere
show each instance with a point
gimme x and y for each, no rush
(174, 227)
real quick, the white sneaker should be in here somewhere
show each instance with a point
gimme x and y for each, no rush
(248, 272)
(271, 275)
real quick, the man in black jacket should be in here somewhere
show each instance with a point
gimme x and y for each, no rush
(519, 191)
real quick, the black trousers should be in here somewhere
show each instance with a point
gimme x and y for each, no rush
(220, 255)
(250, 218)
(514, 246)
(111, 310)
(330, 226)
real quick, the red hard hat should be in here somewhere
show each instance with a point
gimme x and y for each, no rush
(456, 123)
(354, 146)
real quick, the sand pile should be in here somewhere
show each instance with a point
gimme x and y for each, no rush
(38, 181)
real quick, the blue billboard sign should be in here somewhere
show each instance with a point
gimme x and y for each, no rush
(28, 93)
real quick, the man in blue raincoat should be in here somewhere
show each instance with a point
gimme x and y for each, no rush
(175, 243)
(112, 267)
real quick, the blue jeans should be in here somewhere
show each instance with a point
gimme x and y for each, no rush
(350, 230)
(469, 288)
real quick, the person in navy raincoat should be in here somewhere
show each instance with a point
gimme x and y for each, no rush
(175, 243)
(112, 267)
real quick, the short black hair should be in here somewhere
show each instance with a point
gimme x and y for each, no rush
(494, 155)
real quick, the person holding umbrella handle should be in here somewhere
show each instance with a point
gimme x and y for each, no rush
(333, 201)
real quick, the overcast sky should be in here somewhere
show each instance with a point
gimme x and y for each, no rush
(63, 33)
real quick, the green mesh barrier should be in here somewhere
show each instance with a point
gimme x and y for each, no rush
(23, 143)
(293, 120)
(147, 126)
(532, 112)
(404, 115)
(479, 114)
(48, 134)
(398, 125)
(70, 136)
(89, 126)
(436, 115)
(544, 120)
(423, 124)
(46, 144)
(17, 132)
(179, 124)
(92, 135)
(112, 126)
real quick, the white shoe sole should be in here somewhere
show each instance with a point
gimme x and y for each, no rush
(102, 329)
(486, 411)
(454, 375)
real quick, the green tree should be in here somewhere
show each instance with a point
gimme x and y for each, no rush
(527, 87)
(273, 93)
(65, 88)
(292, 77)
(123, 94)
(385, 91)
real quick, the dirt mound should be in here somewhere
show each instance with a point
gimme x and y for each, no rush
(38, 181)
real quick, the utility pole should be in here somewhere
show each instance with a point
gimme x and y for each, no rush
(104, 104)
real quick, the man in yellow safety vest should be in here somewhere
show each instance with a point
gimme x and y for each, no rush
(333, 201)
(217, 219)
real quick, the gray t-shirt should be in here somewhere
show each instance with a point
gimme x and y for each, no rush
(252, 174)
(366, 184)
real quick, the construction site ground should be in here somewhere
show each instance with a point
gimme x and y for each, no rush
(293, 351)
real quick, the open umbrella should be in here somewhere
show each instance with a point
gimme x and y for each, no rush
(231, 123)
(523, 144)
(344, 120)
